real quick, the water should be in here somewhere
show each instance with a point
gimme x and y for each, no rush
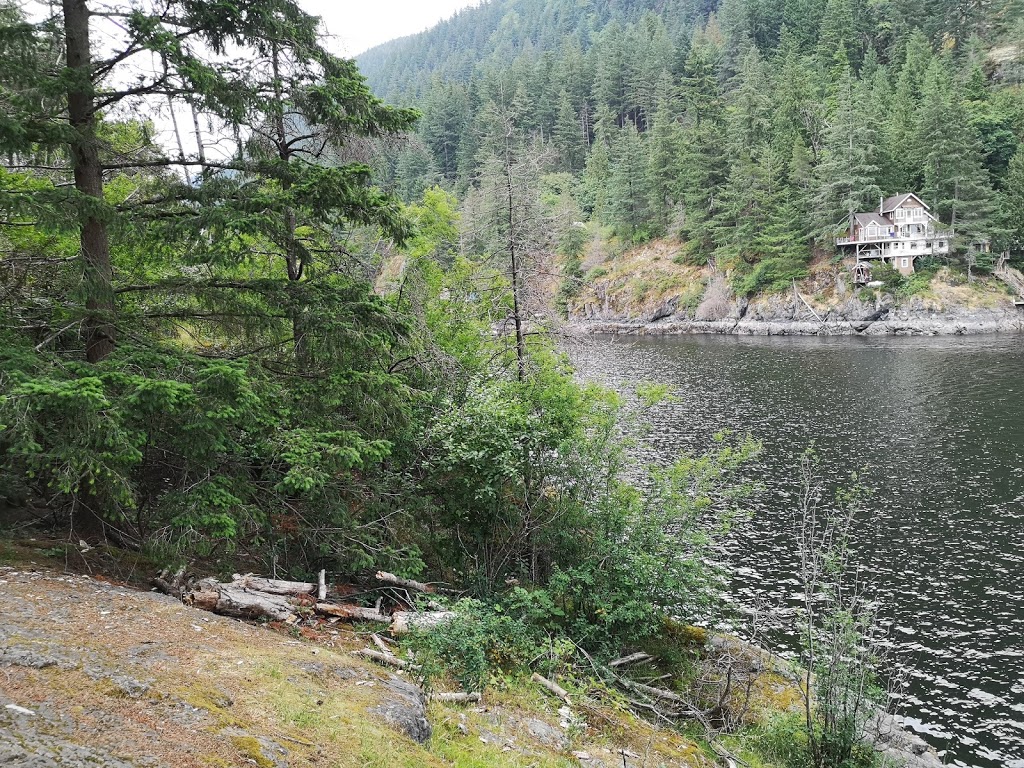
(937, 425)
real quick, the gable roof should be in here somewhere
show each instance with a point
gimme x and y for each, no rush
(894, 202)
(872, 218)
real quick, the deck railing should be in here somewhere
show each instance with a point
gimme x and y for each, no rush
(916, 237)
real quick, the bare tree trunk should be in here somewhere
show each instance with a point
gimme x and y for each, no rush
(516, 267)
(96, 267)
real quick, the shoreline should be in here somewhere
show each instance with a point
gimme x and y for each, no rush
(939, 325)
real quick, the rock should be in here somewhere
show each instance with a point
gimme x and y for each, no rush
(405, 708)
(665, 310)
(544, 733)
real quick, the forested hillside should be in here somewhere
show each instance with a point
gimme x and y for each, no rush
(750, 131)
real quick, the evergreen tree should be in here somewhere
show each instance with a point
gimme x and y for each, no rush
(847, 174)
(628, 187)
(956, 184)
(1012, 204)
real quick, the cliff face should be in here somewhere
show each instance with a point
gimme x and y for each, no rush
(646, 291)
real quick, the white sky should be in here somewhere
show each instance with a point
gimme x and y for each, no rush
(357, 25)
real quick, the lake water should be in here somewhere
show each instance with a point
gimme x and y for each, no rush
(938, 426)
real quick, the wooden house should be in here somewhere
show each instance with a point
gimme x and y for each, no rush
(898, 233)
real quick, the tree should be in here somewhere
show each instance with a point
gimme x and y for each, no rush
(296, 84)
(955, 181)
(841, 635)
(509, 218)
(847, 174)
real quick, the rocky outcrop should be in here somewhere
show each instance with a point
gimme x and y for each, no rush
(784, 315)
(405, 708)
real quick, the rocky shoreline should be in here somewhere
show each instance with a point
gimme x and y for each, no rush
(784, 318)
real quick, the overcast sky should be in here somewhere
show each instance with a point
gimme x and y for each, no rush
(356, 25)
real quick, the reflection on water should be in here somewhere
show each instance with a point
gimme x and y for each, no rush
(937, 426)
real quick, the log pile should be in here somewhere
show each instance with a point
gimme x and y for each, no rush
(255, 597)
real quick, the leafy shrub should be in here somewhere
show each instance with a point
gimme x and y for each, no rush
(480, 640)
(769, 276)
(892, 281)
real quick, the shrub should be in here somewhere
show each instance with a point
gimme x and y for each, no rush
(479, 641)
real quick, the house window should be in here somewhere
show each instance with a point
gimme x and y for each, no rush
(913, 246)
(942, 243)
(904, 262)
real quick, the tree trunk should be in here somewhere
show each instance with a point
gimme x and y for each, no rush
(96, 268)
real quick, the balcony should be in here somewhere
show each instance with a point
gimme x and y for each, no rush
(934, 234)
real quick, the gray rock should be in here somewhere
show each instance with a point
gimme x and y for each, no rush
(405, 708)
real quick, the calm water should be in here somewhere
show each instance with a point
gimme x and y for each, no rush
(939, 426)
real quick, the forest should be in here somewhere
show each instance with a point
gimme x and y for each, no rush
(749, 131)
(256, 316)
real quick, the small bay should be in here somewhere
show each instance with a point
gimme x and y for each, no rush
(935, 429)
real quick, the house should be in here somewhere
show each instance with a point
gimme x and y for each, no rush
(899, 232)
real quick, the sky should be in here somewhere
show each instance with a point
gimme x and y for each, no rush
(357, 25)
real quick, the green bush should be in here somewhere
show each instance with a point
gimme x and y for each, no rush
(769, 276)
(480, 641)
(892, 281)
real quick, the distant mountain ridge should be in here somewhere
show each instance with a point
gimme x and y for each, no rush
(497, 31)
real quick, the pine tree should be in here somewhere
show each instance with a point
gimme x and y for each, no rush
(1011, 209)
(956, 184)
(847, 174)
(294, 94)
(628, 186)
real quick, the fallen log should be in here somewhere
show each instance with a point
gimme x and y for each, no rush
(632, 658)
(385, 658)
(398, 581)
(553, 688)
(404, 622)
(273, 586)
(231, 600)
(381, 645)
(173, 585)
(352, 612)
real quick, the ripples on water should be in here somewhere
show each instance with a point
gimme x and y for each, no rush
(937, 425)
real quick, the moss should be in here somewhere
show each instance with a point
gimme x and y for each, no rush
(253, 750)
(211, 701)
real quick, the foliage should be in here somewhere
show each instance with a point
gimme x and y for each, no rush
(890, 277)
(478, 643)
(840, 633)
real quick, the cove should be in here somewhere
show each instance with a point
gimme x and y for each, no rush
(935, 428)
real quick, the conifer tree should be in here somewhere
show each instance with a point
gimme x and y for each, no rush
(956, 184)
(847, 174)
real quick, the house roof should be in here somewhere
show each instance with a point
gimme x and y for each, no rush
(894, 202)
(867, 219)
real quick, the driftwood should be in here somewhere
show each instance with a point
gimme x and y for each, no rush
(387, 659)
(171, 584)
(321, 586)
(273, 586)
(352, 612)
(404, 622)
(631, 659)
(553, 688)
(455, 698)
(381, 645)
(398, 581)
(231, 600)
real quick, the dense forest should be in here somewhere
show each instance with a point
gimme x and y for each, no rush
(253, 316)
(749, 131)
(231, 344)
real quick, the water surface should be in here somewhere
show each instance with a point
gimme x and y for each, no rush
(938, 426)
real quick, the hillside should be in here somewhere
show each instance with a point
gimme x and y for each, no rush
(750, 132)
(650, 289)
(496, 31)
